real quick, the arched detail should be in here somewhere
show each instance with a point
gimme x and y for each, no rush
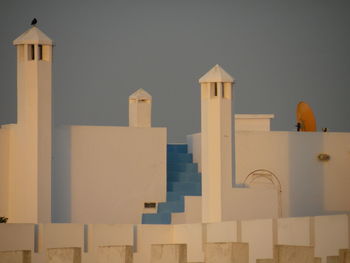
(270, 177)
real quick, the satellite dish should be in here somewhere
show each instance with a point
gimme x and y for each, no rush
(305, 118)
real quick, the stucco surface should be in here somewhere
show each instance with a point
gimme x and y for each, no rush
(115, 254)
(111, 173)
(293, 254)
(30, 141)
(16, 237)
(292, 157)
(174, 253)
(226, 253)
(259, 235)
(60, 235)
(148, 235)
(64, 255)
(15, 256)
(331, 234)
(4, 170)
(293, 231)
(222, 232)
(265, 260)
(336, 179)
(344, 255)
(193, 235)
(333, 259)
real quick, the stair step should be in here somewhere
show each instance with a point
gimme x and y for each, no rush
(171, 174)
(187, 188)
(159, 218)
(179, 157)
(178, 148)
(174, 196)
(183, 180)
(171, 207)
(182, 167)
(185, 177)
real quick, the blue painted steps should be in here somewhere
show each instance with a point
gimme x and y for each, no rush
(181, 167)
(171, 206)
(186, 188)
(159, 218)
(183, 179)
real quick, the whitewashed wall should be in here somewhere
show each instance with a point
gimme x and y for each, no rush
(194, 236)
(147, 235)
(337, 171)
(296, 231)
(309, 187)
(194, 146)
(331, 233)
(106, 174)
(259, 234)
(17, 237)
(253, 122)
(192, 213)
(4, 170)
(263, 150)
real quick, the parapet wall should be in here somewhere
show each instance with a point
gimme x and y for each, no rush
(327, 234)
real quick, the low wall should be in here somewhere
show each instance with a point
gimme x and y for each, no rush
(327, 234)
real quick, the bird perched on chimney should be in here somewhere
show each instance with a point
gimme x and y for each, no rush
(34, 21)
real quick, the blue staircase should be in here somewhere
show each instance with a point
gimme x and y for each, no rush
(183, 179)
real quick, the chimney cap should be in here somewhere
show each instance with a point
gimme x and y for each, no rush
(33, 36)
(140, 94)
(216, 74)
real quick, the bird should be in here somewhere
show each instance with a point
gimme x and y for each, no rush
(34, 21)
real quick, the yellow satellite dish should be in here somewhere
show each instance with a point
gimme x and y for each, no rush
(305, 118)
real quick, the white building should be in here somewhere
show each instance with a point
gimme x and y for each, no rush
(227, 175)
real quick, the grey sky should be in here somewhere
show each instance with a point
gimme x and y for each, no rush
(280, 52)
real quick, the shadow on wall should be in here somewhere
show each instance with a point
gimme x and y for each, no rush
(61, 181)
(306, 178)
